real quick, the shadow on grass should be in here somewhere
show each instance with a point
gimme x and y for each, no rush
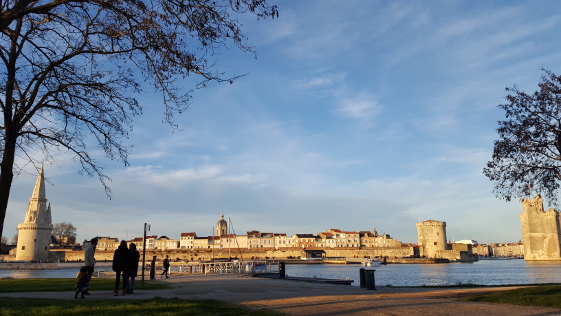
(9, 285)
(151, 307)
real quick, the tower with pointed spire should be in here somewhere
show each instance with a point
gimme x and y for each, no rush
(34, 234)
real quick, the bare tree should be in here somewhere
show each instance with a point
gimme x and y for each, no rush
(527, 155)
(65, 233)
(3, 240)
(15, 239)
(71, 71)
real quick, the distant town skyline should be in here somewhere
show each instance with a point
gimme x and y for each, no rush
(355, 115)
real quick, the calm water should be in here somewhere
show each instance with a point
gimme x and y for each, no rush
(484, 272)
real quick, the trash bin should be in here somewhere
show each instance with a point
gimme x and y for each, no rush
(369, 279)
(282, 270)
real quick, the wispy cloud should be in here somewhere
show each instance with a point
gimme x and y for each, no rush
(361, 107)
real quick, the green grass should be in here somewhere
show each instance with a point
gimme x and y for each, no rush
(151, 307)
(58, 285)
(543, 295)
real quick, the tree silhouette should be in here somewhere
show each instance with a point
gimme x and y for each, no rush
(527, 155)
(72, 70)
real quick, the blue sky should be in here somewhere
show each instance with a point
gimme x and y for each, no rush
(355, 115)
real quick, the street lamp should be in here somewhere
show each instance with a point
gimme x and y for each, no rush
(146, 227)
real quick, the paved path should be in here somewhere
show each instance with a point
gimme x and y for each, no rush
(304, 298)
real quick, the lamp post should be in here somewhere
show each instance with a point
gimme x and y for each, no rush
(146, 227)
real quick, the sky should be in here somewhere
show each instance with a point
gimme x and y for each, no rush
(356, 115)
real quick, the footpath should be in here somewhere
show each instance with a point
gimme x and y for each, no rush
(308, 298)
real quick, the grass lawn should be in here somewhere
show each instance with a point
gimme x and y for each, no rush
(129, 307)
(542, 295)
(60, 285)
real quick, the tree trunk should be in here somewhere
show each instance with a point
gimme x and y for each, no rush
(6, 175)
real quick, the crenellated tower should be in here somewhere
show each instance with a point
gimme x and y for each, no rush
(34, 234)
(431, 235)
(541, 230)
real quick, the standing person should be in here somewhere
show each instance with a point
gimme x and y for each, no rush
(132, 267)
(166, 268)
(82, 281)
(120, 259)
(89, 259)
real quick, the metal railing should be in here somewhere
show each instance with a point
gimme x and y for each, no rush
(241, 267)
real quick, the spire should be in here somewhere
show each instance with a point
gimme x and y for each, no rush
(39, 190)
(37, 209)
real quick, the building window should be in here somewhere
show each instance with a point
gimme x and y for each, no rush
(22, 247)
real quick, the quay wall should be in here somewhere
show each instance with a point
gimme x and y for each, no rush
(245, 254)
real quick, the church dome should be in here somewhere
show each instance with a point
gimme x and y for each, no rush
(222, 222)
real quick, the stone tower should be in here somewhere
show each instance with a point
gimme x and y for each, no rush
(34, 234)
(540, 231)
(221, 227)
(431, 235)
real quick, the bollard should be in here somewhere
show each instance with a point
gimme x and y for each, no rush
(282, 271)
(362, 278)
(370, 280)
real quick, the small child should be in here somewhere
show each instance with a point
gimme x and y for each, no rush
(82, 282)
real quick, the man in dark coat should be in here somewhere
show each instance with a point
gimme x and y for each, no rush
(120, 260)
(132, 268)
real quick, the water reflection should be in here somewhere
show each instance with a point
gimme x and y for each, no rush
(28, 274)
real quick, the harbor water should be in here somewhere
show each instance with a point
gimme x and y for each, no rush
(484, 272)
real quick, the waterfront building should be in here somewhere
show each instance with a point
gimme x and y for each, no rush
(305, 240)
(107, 243)
(34, 234)
(165, 243)
(186, 240)
(326, 240)
(510, 250)
(200, 243)
(257, 239)
(482, 250)
(151, 242)
(384, 240)
(540, 231)
(345, 239)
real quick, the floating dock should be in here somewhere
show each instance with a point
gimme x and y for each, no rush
(305, 279)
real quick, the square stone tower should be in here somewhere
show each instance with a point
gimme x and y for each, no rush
(540, 231)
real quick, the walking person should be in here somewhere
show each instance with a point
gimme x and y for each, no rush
(132, 268)
(120, 259)
(166, 268)
(89, 259)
